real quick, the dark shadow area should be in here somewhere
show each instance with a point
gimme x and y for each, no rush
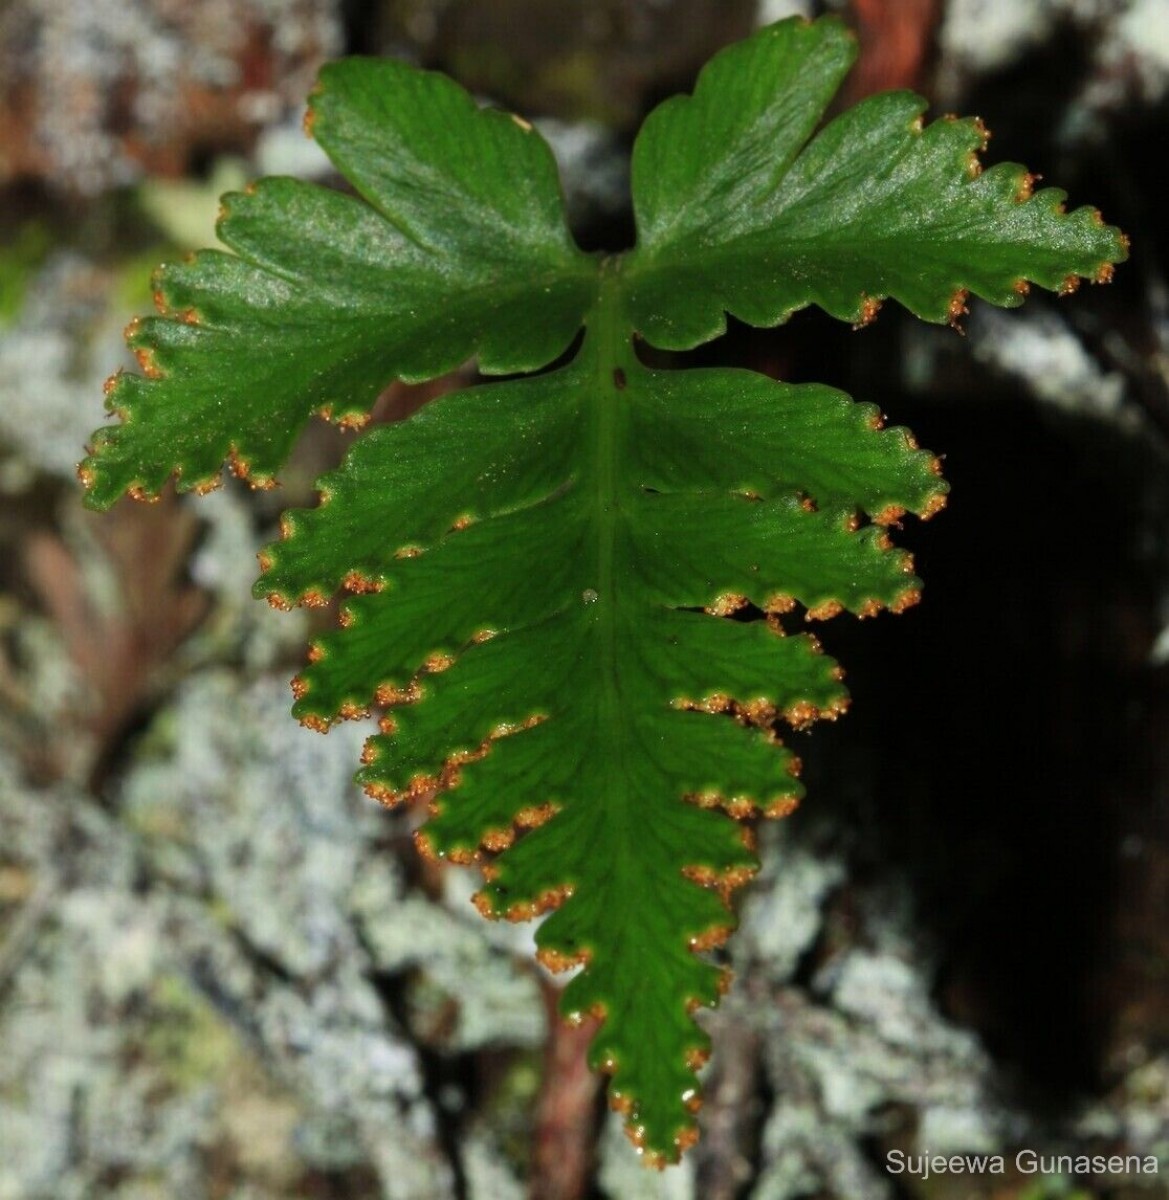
(1004, 731)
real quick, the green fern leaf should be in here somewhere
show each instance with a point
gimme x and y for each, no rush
(736, 213)
(458, 239)
(545, 569)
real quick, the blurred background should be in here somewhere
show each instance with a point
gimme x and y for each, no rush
(223, 973)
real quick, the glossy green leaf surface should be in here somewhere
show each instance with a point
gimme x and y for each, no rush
(877, 204)
(458, 238)
(569, 590)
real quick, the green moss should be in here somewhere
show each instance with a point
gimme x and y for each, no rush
(574, 85)
(1053, 1187)
(570, 86)
(19, 261)
(511, 1109)
(186, 1038)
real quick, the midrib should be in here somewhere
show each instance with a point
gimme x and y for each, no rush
(608, 346)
